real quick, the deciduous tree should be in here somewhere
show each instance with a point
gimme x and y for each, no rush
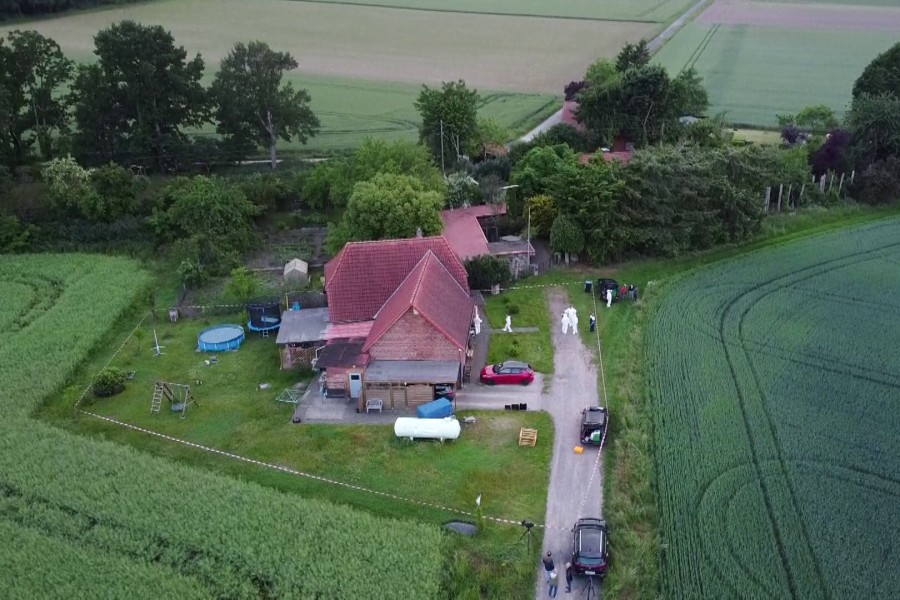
(566, 237)
(33, 70)
(133, 104)
(881, 76)
(253, 106)
(449, 119)
(388, 206)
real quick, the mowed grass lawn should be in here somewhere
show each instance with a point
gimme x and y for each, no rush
(232, 414)
(753, 73)
(636, 10)
(528, 308)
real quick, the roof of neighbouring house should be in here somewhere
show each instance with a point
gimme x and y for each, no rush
(302, 326)
(622, 157)
(431, 290)
(363, 275)
(463, 231)
(568, 115)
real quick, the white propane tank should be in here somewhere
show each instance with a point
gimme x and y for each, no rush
(432, 429)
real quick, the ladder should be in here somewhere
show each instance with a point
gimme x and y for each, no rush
(157, 398)
(265, 332)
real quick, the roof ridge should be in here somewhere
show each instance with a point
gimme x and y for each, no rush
(425, 314)
(415, 292)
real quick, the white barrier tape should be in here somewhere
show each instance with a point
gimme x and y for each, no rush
(111, 358)
(297, 473)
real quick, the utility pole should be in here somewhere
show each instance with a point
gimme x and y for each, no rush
(443, 171)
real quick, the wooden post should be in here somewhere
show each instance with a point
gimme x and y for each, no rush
(822, 184)
(852, 175)
(800, 196)
(831, 182)
(790, 200)
(841, 183)
(780, 191)
(768, 198)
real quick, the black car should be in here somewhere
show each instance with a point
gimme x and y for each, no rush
(594, 421)
(590, 547)
(608, 284)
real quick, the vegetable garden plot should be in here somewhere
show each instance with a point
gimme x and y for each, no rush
(777, 430)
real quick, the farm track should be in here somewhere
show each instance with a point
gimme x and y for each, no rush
(492, 13)
(743, 394)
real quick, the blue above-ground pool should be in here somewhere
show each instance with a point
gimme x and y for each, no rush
(220, 338)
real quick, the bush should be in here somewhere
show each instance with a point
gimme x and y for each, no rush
(109, 382)
(267, 191)
(486, 271)
(881, 182)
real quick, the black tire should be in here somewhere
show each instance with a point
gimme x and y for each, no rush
(490, 382)
(525, 382)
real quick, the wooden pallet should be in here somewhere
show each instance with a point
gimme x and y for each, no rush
(527, 437)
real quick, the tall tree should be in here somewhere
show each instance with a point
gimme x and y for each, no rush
(385, 207)
(34, 71)
(132, 105)
(254, 108)
(633, 56)
(566, 237)
(874, 122)
(881, 76)
(449, 119)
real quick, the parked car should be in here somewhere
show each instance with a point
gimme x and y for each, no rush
(608, 284)
(511, 371)
(594, 422)
(444, 390)
(590, 547)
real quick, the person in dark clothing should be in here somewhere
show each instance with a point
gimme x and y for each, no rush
(593, 323)
(548, 564)
(570, 575)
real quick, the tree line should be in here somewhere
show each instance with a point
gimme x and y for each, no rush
(135, 103)
(14, 9)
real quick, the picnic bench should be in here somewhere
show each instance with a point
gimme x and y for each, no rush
(374, 404)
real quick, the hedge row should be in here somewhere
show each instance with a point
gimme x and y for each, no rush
(180, 527)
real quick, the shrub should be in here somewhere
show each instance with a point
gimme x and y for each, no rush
(486, 271)
(881, 182)
(267, 191)
(109, 382)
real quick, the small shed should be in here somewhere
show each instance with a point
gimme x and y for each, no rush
(301, 333)
(296, 271)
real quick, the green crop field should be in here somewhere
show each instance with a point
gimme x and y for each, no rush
(887, 3)
(78, 515)
(350, 109)
(364, 65)
(625, 10)
(774, 379)
(754, 73)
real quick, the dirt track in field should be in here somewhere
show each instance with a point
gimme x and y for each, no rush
(812, 16)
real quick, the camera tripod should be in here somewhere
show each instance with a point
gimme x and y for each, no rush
(528, 534)
(589, 591)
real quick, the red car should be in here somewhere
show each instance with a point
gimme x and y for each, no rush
(511, 371)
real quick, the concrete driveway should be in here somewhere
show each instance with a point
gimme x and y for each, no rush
(576, 480)
(477, 396)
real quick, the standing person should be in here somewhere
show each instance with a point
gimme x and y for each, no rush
(508, 326)
(608, 297)
(565, 323)
(549, 567)
(593, 323)
(570, 575)
(554, 584)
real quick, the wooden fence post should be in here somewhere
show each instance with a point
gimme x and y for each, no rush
(790, 200)
(841, 184)
(831, 183)
(780, 191)
(852, 175)
(768, 198)
(802, 189)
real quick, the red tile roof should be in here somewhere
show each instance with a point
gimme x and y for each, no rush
(568, 115)
(358, 329)
(431, 290)
(363, 275)
(463, 231)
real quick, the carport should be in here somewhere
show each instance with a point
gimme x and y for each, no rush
(405, 384)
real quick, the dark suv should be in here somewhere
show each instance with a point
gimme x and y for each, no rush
(594, 421)
(590, 547)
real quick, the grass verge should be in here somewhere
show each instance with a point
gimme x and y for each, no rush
(528, 308)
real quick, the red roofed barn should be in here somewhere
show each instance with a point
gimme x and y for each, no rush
(407, 308)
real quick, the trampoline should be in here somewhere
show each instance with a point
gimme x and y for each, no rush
(220, 338)
(265, 315)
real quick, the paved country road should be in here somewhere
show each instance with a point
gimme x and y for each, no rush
(576, 480)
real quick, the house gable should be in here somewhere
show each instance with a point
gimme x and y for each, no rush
(363, 275)
(413, 337)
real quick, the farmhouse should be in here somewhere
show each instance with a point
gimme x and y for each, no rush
(470, 233)
(400, 317)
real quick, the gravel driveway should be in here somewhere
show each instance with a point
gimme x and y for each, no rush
(576, 480)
